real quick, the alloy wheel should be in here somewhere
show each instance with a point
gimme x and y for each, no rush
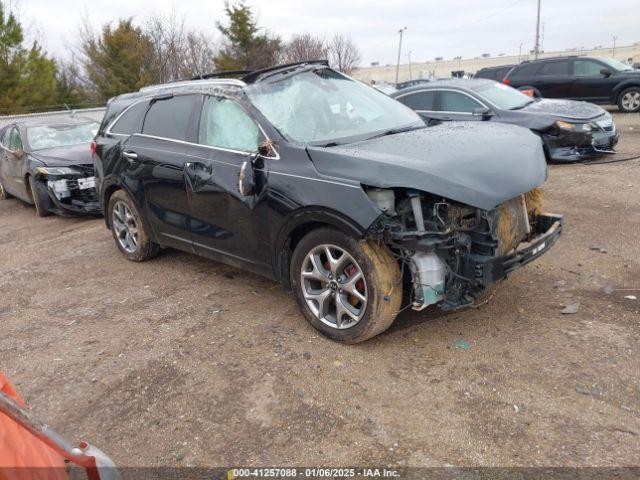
(631, 100)
(334, 286)
(125, 226)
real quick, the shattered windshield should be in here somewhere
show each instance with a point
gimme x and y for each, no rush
(322, 107)
(53, 136)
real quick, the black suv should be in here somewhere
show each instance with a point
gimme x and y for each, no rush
(494, 73)
(341, 193)
(598, 80)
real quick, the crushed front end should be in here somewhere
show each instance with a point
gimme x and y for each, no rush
(452, 252)
(570, 142)
(69, 190)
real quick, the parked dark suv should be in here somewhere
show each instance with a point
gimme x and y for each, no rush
(597, 80)
(494, 73)
(341, 193)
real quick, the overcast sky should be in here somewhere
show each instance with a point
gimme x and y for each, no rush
(444, 28)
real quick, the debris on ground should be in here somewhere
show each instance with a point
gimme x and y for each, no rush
(630, 297)
(598, 248)
(570, 309)
(461, 344)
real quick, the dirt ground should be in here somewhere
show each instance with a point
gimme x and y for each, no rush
(184, 361)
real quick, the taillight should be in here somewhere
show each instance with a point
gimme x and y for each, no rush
(529, 92)
(505, 81)
(93, 149)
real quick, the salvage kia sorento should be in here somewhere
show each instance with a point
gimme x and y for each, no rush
(344, 195)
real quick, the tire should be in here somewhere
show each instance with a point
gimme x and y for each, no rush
(371, 273)
(629, 100)
(38, 194)
(129, 232)
(4, 195)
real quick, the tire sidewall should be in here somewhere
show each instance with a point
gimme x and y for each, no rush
(622, 94)
(144, 244)
(359, 331)
(38, 202)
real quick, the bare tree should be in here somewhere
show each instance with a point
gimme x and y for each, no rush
(304, 47)
(199, 55)
(343, 53)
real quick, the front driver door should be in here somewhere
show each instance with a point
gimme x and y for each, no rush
(591, 85)
(224, 222)
(12, 170)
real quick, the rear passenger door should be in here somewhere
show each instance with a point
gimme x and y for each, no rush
(13, 162)
(157, 158)
(554, 79)
(423, 102)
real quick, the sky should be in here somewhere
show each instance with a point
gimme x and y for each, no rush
(442, 28)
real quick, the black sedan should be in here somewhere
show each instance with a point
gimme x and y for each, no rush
(48, 164)
(570, 130)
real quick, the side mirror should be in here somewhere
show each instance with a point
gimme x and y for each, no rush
(606, 72)
(483, 112)
(246, 179)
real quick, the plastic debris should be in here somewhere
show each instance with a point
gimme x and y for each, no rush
(630, 297)
(461, 344)
(570, 309)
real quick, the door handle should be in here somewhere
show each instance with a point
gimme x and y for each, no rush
(130, 155)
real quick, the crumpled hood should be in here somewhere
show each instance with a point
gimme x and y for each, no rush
(565, 109)
(65, 156)
(476, 163)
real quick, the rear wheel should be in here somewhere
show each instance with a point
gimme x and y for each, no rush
(129, 232)
(629, 100)
(349, 290)
(39, 196)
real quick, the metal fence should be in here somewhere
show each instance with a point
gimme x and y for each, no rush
(90, 113)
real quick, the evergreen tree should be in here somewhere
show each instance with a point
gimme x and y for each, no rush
(119, 60)
(27, 76)
(245, 47)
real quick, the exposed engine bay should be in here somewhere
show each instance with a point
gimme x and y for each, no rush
(450, 252)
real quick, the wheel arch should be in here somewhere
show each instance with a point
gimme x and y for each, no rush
(300, 223)
(621, 87)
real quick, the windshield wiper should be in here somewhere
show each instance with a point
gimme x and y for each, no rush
(393, 131)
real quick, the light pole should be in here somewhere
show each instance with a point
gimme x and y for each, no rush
(520, 52)
(409, 58)
(536, 49)
(401, 32)
(613, 53)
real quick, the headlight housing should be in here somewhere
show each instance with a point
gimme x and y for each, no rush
(56, 171)
(574, 127)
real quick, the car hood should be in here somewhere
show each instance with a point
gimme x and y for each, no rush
(565, 109)
(478, 164)
(65, 156)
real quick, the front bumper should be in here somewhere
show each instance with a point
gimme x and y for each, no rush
(572, 147)
(71, 194)
(547, 228)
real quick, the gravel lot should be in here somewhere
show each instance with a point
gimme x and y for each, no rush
(184, 361)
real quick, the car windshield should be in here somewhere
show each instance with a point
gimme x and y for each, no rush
(504, 97)
(616, 64)
(321, 107)
(52, 136)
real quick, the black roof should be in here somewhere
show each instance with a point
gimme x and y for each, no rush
(511, 65)
(258, 75)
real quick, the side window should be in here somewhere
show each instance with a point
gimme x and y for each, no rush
(225, 124)
(4, 141)
(525, 70)
(554, 68)
(169, 118)
(420, 100)
(15, 142)
(131, 121)
(586, 68)
(457, 102)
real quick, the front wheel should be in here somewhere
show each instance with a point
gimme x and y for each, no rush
(132, 239)
(629, 100)
(347, 289)
(3, 193)
(40, 197)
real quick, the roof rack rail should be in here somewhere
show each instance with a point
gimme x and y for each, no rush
(254, 76)
(222, 74)
(230, 82)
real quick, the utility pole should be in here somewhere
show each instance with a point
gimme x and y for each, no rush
(401, 32)
(409, 58)
(520, 52)
(536, 49)
(613, 53)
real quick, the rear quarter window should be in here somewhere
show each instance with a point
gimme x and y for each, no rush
(131, 120)
(169, 118)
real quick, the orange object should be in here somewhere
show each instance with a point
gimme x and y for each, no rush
(19, 448)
